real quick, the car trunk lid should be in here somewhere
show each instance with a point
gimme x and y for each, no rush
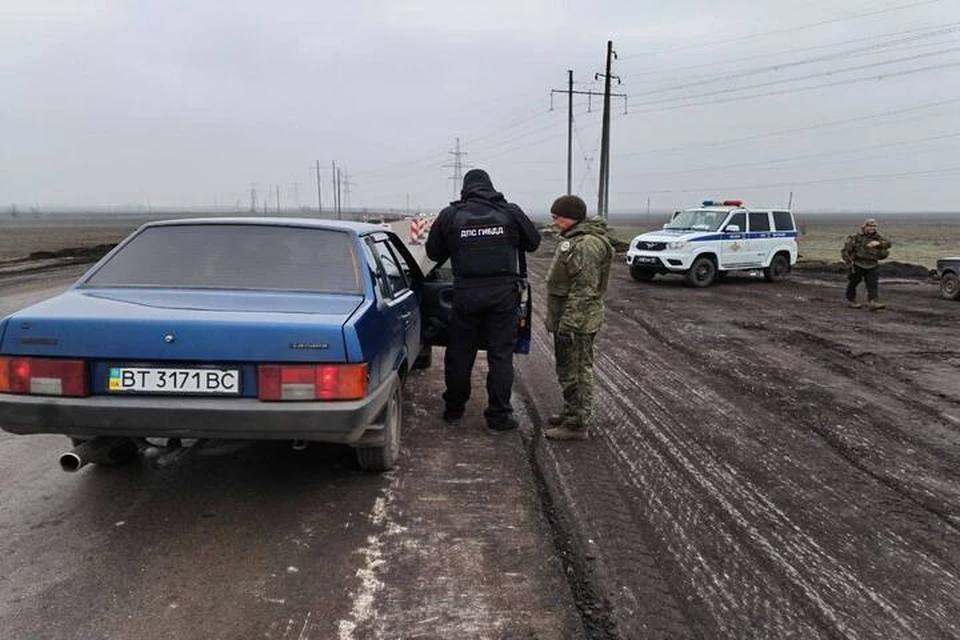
(184, 326)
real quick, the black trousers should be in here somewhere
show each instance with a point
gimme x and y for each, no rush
(870, 276)
(483, 318)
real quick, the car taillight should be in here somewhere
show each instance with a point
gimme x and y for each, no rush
(43, 376)
(312, 382)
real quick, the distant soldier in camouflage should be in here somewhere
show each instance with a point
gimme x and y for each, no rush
(862, 254)
(576, 285)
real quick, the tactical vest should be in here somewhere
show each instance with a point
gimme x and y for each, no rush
(486, 243)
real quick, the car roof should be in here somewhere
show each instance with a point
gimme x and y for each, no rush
(315, 223)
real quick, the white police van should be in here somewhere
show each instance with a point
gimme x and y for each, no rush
(704, 243)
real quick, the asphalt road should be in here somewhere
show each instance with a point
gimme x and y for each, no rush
(260, 541)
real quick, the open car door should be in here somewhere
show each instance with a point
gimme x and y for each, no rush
(436, 304)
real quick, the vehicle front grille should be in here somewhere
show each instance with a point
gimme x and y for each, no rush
(651, 246)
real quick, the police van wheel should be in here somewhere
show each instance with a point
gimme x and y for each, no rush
(642, 275)
(778, 269)
(950, 286)
(702, 272)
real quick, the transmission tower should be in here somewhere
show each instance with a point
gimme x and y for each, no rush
(458, 166)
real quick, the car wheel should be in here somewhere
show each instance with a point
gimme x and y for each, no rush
(950, 286)
(778, 269)
(425, 359)
(641, 275)
(702, 272)
(384, 457)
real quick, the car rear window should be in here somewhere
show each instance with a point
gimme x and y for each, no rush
(783, 220)
(241, 256)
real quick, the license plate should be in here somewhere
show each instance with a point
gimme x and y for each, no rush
(174, 381)
(645, 260)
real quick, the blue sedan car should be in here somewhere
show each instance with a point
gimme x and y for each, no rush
(227, 328)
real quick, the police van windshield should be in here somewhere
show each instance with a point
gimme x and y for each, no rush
(697, 220)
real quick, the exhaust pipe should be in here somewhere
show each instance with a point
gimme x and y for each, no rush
(106, 450)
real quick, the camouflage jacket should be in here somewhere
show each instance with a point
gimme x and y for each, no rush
(855, 250)
(578, 278)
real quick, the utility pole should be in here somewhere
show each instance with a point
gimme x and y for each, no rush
(278, 198)
(570, 93)
(603, 188)
(457, 165)
(347, 183)
(790, 202)
(253, 199)
(319, 199)
(336, 191)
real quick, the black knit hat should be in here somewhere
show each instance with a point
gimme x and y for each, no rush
(569, 207)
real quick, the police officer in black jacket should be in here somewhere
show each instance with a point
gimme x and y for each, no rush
(485, 238)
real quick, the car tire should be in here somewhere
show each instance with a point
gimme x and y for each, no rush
(425, 359)
(778, 269)
(702, 272)
(641, 275)
(950, 286)
(384, 457)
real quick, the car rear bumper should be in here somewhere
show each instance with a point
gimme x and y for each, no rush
(348, 422)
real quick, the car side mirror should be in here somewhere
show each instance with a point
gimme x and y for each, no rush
(732, 228)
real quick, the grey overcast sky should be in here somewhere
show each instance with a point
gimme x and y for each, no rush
(850, 104)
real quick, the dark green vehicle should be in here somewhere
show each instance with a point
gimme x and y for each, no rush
(948, 270)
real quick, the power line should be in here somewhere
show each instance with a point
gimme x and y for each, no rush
(803, 27)
(672, 71)
(876, 77)
(846, 53)
(809, 156)
(782, 132)
(809, 76)
(868, 177)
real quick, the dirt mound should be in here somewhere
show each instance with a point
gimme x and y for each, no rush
(891, 269)
(93, 253)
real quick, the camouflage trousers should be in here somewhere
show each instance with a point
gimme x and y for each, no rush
(574, 356)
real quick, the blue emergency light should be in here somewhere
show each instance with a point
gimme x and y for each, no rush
(723, 203)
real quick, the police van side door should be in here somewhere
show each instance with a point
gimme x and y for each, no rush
(760, 236)
(734, 250)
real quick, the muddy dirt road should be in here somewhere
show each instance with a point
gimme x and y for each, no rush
(767, 463)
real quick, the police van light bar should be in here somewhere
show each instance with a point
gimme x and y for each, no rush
(723, 203)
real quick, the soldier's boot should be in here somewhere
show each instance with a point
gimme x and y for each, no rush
(555, 420)
(876, 305)
(565, 433)
(853, 304)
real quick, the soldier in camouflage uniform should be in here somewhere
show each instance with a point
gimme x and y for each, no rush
(862, 253)
(575, 288)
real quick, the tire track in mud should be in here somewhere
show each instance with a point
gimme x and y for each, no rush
(866, 398)
(763, 527)
(615, 568)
